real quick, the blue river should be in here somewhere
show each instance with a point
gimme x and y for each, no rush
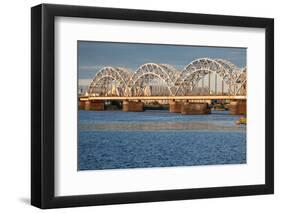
(157, 138)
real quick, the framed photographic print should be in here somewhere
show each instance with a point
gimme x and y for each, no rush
(139, 106)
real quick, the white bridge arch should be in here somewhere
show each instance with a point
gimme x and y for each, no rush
(147, 75)
(163, 79)
(108, 79)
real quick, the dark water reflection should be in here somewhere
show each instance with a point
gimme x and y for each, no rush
(116, 139)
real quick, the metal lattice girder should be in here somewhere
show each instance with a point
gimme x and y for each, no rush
(119, 76)
(198, 68)
(150, 71)
(241, 81)
(152, 78)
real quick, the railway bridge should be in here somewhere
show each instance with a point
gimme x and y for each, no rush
(189, 91)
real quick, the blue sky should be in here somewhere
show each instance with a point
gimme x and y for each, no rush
(92, 56)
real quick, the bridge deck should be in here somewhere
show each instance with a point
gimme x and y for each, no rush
(207, 97)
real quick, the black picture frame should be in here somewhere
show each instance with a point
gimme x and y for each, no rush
(43, 111)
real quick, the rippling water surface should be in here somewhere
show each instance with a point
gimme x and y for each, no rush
(116, 139)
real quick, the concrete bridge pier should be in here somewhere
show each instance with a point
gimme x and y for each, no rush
(238, 107)
(193, 108)
(92, 105)
(133, 106)
(81, 105)
(175, 106)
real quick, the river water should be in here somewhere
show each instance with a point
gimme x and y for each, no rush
(119, 140)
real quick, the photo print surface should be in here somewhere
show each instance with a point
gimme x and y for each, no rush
(158, 105)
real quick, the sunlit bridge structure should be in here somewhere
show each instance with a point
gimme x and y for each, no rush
(203, 76)
(202, 79)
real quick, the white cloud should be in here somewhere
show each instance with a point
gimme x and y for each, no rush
(84, 82)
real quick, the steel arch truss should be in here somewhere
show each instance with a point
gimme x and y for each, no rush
(199, 68)
(146, 77)
(241, 81)
(163, 79)
(110, 81)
